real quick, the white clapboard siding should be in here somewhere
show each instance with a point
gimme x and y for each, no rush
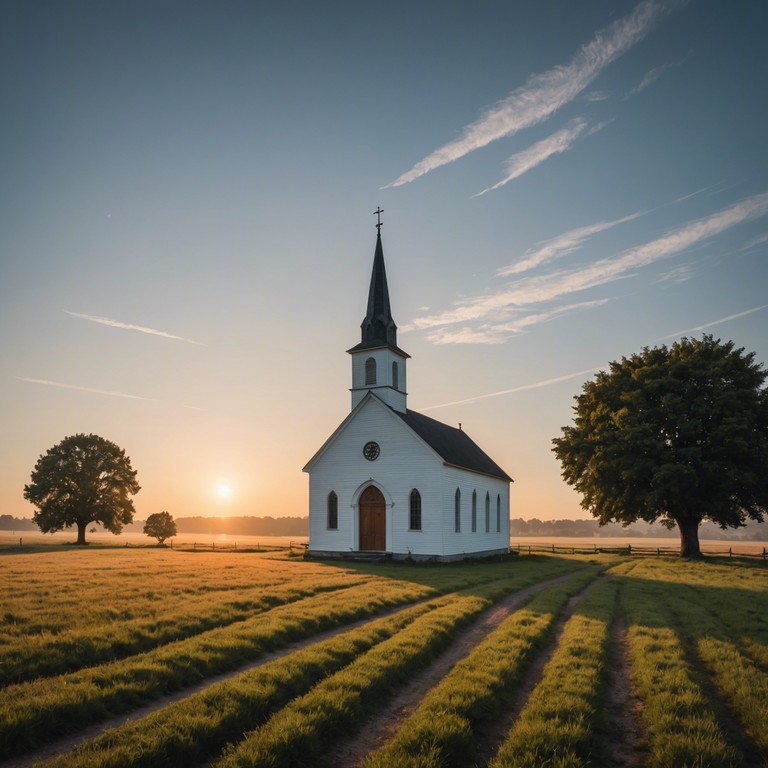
(466, 541)
(405, 462)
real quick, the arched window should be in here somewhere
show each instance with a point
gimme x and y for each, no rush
(395, 382)
(457, 511)
(498, 513)
(333, 511)
(415, 516)
(487, 512)
(370, 371)
(474, 511)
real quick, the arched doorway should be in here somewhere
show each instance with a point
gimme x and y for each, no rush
(373, 519)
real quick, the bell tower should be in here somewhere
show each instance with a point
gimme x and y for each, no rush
(378, 364)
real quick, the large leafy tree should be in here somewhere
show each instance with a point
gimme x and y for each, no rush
(676, 434)
(81, 480)
(160, 526)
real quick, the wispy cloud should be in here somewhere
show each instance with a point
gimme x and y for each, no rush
(83, 389)
(715, 322)
(524, 161)
(523, 293)
(651, 77)
(562, 245)
(498, 333)
(522, 388)
(697, 192)
(680, 274)
(547, 92)
(94, 391)
(759, 240)
(128, 326)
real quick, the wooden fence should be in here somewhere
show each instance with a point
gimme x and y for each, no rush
(221, 547)
(230, 546)
(521, 549)
(630, 549)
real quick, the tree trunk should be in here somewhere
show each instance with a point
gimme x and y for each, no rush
(81, 533)
(689, 538)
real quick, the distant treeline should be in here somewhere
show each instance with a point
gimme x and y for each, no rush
(238, 526)
(10, 523)
(299, 526)
(242, 526)
(752, 531)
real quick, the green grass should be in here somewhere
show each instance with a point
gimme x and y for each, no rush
(136, 624)
(338, 705)
(107, 608)
(190, 727)
(44, 654)
(681, 726)
(35, 711)
(557, 725)
(198, 727)
(441, 731)
(716, 633)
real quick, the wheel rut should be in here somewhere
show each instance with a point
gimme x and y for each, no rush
(490, 737)
(622, 731)
(349, 753)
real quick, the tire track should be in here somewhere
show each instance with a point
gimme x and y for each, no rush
(349, 753)
(490, 738)
(622, 732)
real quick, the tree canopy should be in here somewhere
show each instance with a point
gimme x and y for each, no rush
(676, 434)
(81, 480)
(160, 526)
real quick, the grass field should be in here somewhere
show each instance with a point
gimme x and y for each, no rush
(262, 659)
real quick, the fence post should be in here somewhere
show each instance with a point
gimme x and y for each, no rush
(553, 549)
(529, 549)
(21, 544)
(629, 549)
(730, 552)
(194, 545)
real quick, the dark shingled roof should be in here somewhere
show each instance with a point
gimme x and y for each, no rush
(453, 445)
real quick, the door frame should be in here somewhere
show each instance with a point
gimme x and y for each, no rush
(386, 517)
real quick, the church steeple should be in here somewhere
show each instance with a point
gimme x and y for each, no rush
(378, 364)
(378, 328)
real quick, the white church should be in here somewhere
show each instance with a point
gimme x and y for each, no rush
(392, 481)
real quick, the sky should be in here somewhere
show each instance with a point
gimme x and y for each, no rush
(186, 228)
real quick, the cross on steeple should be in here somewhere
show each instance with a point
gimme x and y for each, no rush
(379, 210)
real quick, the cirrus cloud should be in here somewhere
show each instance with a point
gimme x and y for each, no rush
(547, 92)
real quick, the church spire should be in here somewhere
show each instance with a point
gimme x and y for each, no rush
(378, 328)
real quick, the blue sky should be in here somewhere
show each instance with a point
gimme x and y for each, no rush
(186, 239)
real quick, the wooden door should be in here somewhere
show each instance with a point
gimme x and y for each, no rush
(373, 518)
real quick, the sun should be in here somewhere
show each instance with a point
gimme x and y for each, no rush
(224, 491)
